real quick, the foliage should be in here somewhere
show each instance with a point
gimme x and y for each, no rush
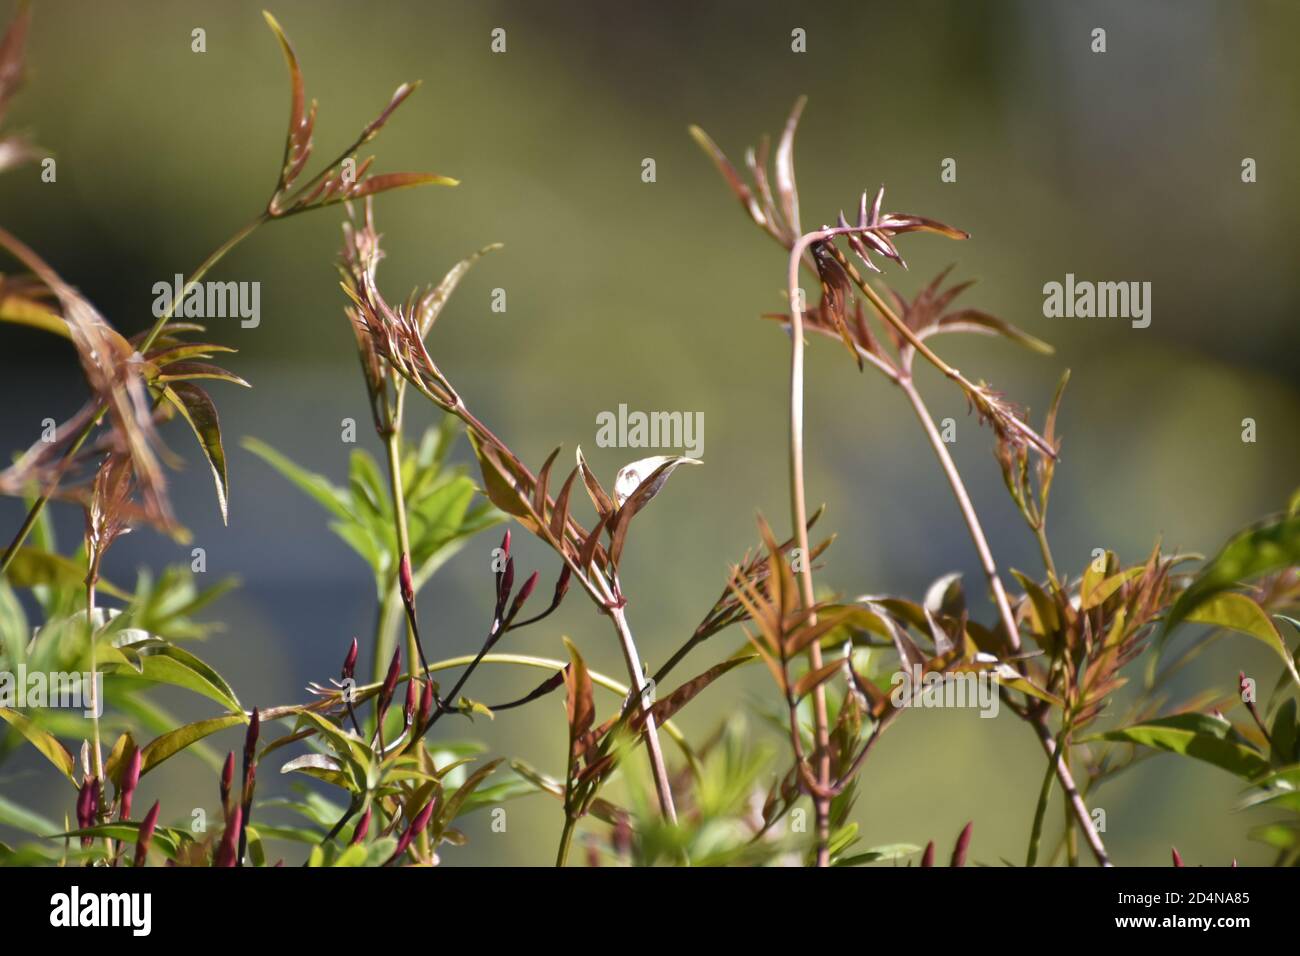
(375, 786)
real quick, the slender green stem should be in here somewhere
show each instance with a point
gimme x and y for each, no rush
(1040, 813)
(1071, 836)
(566, 840)
(1045, 549)
(392, 445)
(94, 670)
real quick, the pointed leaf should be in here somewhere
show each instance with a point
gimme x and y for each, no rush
(199, 411)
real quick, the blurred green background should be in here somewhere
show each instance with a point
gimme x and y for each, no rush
(1117, 166)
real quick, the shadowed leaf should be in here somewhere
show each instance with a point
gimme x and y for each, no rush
(198, 409)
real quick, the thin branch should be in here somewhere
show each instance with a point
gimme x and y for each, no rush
(799, 516)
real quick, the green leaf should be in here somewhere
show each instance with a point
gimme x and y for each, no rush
(14, 630)
(1104, 589)
(353, 856)
(32, 567)
(164, 838)
(20, 818)
(1046, 614)
(199, 410)
(1201, 736)
(43, 741)
(1238, 612)
(157, 660)
(369, 490)
(1268, 546)
(327, 495)
(172, 743)
(891, 851)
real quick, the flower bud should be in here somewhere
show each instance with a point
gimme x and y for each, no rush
(411, 700)
(524, 592)
(426, 704)
(1178, 858)
(390, 682)
(250, 738)
(963, 843)
(561, 586)
(507, 583)
(422, 818)
(130, 780)
(404, 581)
(227, 852)
(927, 858)
(505, 553)
(227, 779)
(363, 827)
(145, 835)
(87, 807)
(350, 662)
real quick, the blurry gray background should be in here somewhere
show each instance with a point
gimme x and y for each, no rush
(1119, 166)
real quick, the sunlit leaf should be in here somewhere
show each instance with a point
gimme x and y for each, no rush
(1201, 736)
(43, 741)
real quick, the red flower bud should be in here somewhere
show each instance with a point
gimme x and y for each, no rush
(145, 835)
(1178, 859)
(227, 852)
(130, 780)
(963, 842)
(87, 807)
(415, 829)
(390, 682)
(507, 583)
(250, 738)
(350, 662)
(522, 596)
(405, 582)
(422, 818)
(363, 827)
(426, 703)
(411, 700)
(402, 845)
(505, 553)
(927, 858)
(227, 779)
(561, 586)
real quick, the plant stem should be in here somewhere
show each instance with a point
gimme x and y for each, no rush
(38, 506)
(799, 515)
(663, 789)
(1036, 717)
(566, 840)
(1040, 814)
(1045, 549)
(1071, 837)
(94, 669)
(392, 445)
(607, 596)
